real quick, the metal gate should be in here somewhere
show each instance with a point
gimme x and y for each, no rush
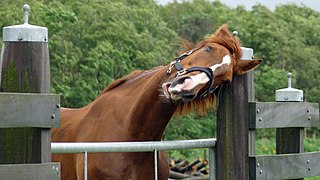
(146, 146)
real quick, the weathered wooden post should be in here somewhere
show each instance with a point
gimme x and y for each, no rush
(289, 140)
(26, 119)
(232, 126)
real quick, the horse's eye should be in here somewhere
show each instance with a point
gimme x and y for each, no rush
(208, 49)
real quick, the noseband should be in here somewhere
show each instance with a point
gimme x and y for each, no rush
(182, 71)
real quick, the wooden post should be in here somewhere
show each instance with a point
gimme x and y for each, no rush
(289, 140)
(232, 127)
(25, 69)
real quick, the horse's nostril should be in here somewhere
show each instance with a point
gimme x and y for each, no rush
(180, 80)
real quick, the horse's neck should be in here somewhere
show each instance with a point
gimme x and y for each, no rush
(150, 114)
(136, 107)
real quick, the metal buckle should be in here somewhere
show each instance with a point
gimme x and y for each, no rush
(182, 72)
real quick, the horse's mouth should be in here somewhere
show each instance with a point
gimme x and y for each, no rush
(183, 95)
(165, 88)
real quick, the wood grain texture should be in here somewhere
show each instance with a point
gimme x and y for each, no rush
(47, 171)
(25, 68)
(283, 114)
(232, 130)
(288, 166)
(29, 110)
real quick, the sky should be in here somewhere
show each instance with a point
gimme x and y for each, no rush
(314, 4)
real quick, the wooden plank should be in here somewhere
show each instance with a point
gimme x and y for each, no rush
(29, 110)
(47, 171)
(283, 114)
(285, 166)
(232, 130)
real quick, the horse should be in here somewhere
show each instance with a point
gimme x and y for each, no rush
(139, 106)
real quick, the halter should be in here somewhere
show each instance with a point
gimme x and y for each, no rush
(182, 71)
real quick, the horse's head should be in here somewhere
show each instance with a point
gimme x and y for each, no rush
(199, 71)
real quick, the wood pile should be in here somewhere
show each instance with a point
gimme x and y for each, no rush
(183, 169)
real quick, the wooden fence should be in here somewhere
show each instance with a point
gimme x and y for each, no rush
(27, 111)
(239, 116)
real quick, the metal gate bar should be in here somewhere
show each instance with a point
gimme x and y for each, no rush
(146, 146)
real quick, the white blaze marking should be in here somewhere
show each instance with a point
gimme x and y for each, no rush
(202, 78)
(226, 60)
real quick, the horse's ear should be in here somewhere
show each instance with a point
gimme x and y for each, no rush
(243, 66)
(222, 32)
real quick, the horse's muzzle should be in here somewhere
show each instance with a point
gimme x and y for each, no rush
(180, 88)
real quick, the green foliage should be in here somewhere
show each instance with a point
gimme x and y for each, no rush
(94, 42)
(203, 127)
(270, 79)
(265, 146)
(190, 127)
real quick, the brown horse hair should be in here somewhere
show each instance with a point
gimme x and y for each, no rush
(130, 76)
(200, 106)
(208, 103)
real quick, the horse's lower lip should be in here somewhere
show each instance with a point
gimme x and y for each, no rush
(165, 88)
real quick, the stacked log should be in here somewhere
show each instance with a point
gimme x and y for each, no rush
(183, 169)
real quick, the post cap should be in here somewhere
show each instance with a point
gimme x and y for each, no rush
(289, 94)
(247, 53)
(25, 32)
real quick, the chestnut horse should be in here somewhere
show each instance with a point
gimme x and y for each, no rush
(139, 106)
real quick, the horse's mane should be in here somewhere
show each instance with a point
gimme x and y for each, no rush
(130, 76)
(223, 37)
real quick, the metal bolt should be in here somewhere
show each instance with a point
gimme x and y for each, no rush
(53, 116)
(258, 165)
(235, 33)
(260, 171)
(286, 98)
(258, 110)
(308, 110)
(58, 105)
(57, 170)
(308, 161)
(260, 119)
(309, 118)
(309, 168)
(20, 38)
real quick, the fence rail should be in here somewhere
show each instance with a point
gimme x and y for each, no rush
(146, 146)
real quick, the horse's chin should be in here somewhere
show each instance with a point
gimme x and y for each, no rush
(188, 97)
